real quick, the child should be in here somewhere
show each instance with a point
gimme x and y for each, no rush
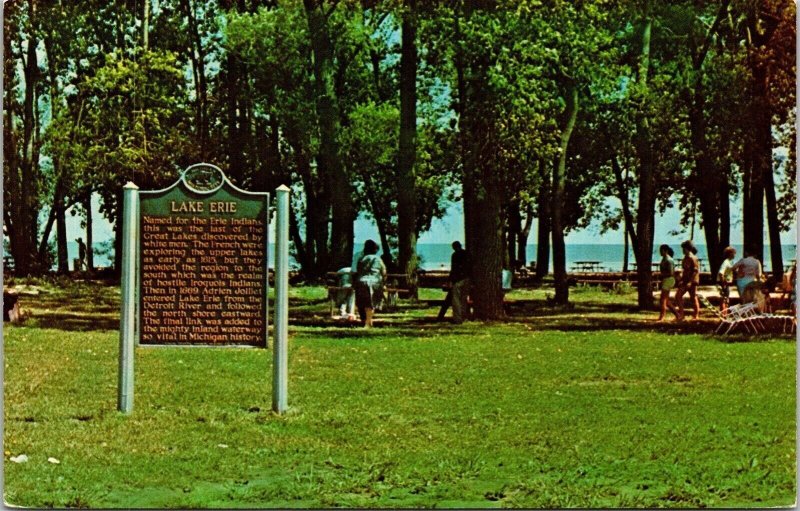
(667, 267)
(725, 276)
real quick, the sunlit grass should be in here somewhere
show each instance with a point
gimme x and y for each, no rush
(591, 407)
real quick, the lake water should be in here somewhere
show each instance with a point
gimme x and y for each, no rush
(436, 256)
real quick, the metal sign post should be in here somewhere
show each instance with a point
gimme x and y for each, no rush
(280, 365)
(130, 227)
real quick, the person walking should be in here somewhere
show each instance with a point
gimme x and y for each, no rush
(667, 268)
(81, 260)
(725, 276)
(370, 276)
(459, 280)
(690, 279)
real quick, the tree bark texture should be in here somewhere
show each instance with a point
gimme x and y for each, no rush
(483, 195)
(724, 213)
(543, 225)
(406, 175)
(328, 159)
(522, 237)
(559, 193)
(317, 218)
(647, 184)
(197, 57)
(25, 204)
(707, 178)
(87, 207)
(513, 233)
(758, 163)
(775, 248)
(61, 236)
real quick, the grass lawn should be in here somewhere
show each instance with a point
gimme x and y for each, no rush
(590, 407)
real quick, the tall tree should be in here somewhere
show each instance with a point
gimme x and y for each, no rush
(559, 191)
(482, 188)
(22, 133)
(770, 32)
(406, 179)
(328, 157)
(645, 221)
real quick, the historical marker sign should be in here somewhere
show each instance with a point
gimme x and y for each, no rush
(203, 262)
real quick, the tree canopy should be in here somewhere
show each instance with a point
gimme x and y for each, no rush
(563, 112)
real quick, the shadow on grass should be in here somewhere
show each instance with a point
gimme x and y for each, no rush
(537, 315)
(71, 322)
(82, 309)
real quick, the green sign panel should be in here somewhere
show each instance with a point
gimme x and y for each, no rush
(203, 249)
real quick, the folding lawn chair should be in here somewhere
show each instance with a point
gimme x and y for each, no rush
(788, 323)
(745, 314)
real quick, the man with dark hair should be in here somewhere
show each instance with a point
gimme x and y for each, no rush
(459, 277)
(81, 260)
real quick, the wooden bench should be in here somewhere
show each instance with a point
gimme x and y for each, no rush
(610, 284)
(8, 264)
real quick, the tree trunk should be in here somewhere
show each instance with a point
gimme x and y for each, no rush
(61, 236)
(706, 177)
(467, 182)
(386, 247)
(559, 192)
(647, 183)
(625, 248)
(87, 207)
(48, 229)
(13, 208)
(543, 226)
(59, 205)
(775, 249)
(27, 213)
(406, 156)
(486, 251)
(708, 183)
(522, 237)
(236, 136)
(758, 163)
(724, 212)
(513, 233)
(328, 159)
(483, 194)
(622, 195)
(118, 235)
(197, 57)
(317, 204)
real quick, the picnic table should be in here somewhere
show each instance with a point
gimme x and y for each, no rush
(654, 266)
(586, 266)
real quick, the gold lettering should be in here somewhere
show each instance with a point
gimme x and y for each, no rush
(186, 207)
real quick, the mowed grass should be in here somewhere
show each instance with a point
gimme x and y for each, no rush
(589, 407)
